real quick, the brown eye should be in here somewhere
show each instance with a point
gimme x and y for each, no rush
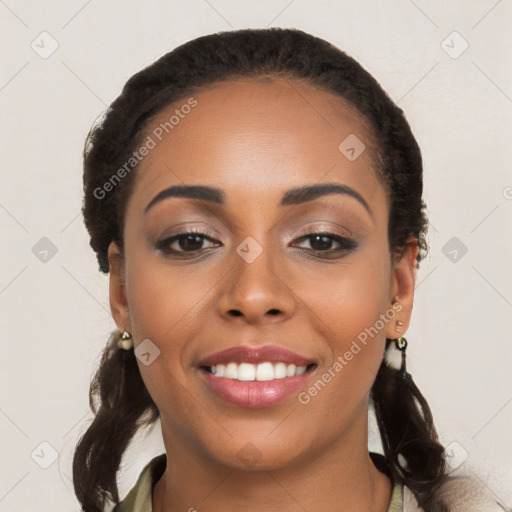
(323, 242)
(186, 241)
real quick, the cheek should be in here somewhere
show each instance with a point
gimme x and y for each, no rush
(163, 300)
(351, 316)
(164, 304)
(351, 298)
(360, 297)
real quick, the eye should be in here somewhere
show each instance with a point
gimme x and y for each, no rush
(190, 241)
(322, 241)
(186, 240)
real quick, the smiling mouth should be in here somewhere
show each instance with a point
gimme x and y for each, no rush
(256, 385)
(265, 371)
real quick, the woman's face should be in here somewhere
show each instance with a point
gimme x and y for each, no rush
(255, 279)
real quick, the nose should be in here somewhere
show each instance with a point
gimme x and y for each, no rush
(258, 291)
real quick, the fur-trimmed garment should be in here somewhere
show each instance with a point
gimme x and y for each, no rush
(461, 493)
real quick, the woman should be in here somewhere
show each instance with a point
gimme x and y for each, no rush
(257, 200)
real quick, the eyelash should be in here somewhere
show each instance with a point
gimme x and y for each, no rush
(346, 244)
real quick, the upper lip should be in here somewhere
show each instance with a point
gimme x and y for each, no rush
(255, 355)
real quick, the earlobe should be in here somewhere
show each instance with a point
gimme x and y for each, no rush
(402, 286)
(117, 294)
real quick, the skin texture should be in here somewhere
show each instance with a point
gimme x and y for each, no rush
(255, 139)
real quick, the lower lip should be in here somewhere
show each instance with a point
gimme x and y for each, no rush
(256, 393)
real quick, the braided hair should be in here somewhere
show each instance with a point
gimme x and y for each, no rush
(118, 397)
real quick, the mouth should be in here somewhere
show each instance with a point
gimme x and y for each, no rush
(256, 385)
(265, 371)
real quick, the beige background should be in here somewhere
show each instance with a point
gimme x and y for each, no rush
(54, 314)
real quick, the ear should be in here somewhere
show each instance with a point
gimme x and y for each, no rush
(118, 302)
(403, 281)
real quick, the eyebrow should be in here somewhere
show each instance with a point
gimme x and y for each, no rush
(290, 197)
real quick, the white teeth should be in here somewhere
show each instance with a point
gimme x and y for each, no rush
(246, 371)
(260, 372)
(231, 371)
(264, 371)
(280, 371)
(290, 370)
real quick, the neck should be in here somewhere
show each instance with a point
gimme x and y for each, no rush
(341, 473)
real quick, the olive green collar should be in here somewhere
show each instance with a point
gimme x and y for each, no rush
(140, 497)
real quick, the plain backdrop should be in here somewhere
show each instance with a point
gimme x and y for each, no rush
(446, 64)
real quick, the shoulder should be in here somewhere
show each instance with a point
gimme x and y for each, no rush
(460, 493)
(466, 493)
(139, 498)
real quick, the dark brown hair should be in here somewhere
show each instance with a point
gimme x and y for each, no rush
(118, 396)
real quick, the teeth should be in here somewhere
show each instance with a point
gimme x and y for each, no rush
(260, 372)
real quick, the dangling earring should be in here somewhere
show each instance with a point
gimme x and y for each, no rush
(401, 344)
(126, 341)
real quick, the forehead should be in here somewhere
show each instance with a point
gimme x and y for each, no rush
(263, 135)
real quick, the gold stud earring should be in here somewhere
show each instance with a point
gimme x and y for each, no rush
(126, 342)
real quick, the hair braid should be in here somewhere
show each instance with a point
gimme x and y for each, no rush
(123, 399)
(409, 437)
